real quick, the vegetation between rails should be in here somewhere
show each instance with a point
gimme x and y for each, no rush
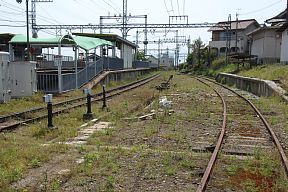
(153, 154)
(262, 173)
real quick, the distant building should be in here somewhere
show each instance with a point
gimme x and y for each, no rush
(284, 45)
(280, 21)
(266, 44)
(4, 41)
(270, 43)
(153, 60)
(222, 37)
(166, 61)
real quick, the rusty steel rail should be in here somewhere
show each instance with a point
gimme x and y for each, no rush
(269, 128)
(205, 179)
(81, 101)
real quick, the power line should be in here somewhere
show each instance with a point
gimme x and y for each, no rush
(166, 7)
(12, 13)
(12, 21)
(52, 18)
(172, 7)
(9, 7)
(117, 11)
(117, 6)
(12, 25)
(178, 7)
(184, 7)
(23, 11)
(13, 5)
(262, 9)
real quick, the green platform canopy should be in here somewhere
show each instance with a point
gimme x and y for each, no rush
(86, 43)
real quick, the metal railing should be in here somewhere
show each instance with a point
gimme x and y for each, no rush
(48, 83)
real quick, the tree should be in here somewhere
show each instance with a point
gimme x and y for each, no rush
(200, 55)
(141, 56)
(190, 59)
(197, 52)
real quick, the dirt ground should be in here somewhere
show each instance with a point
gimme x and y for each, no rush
(152, 154)
(148, 147)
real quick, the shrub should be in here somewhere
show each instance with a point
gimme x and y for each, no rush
(218, 63)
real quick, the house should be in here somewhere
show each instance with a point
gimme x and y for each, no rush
(280, 20)
(266, 44)
(166, 61)
(153, 60)
(284, 45)
(224, 36)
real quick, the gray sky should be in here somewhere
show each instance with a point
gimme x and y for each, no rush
(158, 11)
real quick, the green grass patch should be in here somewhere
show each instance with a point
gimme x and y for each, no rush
(269, 72)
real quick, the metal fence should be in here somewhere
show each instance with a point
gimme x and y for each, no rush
(144, 64)
(48, 83)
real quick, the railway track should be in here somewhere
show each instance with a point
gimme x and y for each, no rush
(12, 121)
(244, 132)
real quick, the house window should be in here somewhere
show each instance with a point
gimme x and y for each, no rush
(222, 49)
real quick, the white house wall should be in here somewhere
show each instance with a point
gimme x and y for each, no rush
(258, 47)
(284, 47)
(267, 46)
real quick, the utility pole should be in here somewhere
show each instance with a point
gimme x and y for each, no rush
(236, 40)
(27, 23)
(33, 15)
(287, 12)
(229, 37)
(124, 19)
(27, 28)
(146, 36)
(189, 46)
(177, 49)
(159, 54)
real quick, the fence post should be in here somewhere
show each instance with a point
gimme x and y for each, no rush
(104, 97)
(95, 66)
(48, 99)
(89, 114)
(76, 66)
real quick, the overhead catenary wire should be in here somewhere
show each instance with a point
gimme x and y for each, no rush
(21, 11)
(117, 11)
(116, 5)
(178, 7)
(11, 5)
(12, 25)
(166, 7)
(47, 13)
(172, 7)
(184, 7)
(13, 21)
(261, 9)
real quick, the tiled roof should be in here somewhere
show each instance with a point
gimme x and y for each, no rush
(262, 28)
(278, 18)
(242, 24)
